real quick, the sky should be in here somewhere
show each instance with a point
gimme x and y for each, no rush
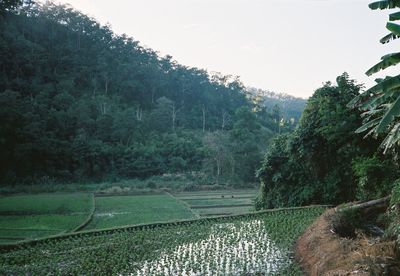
(286, 46)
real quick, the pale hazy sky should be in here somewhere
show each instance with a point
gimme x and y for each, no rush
(289, 46)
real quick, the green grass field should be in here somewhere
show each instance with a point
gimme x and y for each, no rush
(35, 216)
(112, 211)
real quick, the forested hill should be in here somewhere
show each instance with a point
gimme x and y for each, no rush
(80, 102)
(289, 106)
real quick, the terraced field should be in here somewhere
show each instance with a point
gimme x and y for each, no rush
(257, 243)
(217, 203)
(113, 211)
(35, 216)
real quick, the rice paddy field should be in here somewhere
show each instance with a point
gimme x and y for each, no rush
(27, 217)
(217, 194)
(257, 243)
(113, 211)
(219, 203)
(35, 216)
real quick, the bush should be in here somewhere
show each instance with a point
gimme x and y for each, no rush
(151, 185)
(374, 177)
(393, 231)
(345, 222)
(395, 196)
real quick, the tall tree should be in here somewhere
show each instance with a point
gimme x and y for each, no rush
(314, 164)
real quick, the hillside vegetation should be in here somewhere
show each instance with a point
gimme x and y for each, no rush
(81, 103)
(282, 105)
(323, 160)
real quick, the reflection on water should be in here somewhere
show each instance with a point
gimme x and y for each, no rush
(229, 249)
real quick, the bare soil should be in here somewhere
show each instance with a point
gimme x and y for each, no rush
(321, 251)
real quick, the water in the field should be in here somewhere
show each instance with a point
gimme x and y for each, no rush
(240, 248)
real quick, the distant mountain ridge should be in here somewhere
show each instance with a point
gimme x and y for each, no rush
(290, 106)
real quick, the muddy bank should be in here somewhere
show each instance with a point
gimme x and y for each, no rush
(321, 251)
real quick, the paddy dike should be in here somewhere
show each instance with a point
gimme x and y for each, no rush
(321, 251)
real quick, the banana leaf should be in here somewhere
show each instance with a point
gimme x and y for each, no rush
(387, 61)
(388, 38)
(392, 138)
(391, 114)
(368, 125)
(385, 4)
(394, 16)
(394, 28)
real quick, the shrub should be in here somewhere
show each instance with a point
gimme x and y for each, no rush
(346, 221)
(151, 185)
(395, 196)
(374, 177)
(393, 231)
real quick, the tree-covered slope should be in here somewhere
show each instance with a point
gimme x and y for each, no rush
(289, 107)
(81, 102)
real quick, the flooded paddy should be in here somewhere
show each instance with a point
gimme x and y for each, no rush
(255, 243)
(230, 248)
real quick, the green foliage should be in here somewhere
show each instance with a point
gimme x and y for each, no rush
(288, 107)
(381, 103)
(80, 103)
(151, 185)
(346, 221)
(384, 4)
(374, 177)
(314, 164)
(263, 241)
(10, 5)
(393, 213)
(248, 140)
(395, 195)
(235, 154)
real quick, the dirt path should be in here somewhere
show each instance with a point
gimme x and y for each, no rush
(320, 251)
